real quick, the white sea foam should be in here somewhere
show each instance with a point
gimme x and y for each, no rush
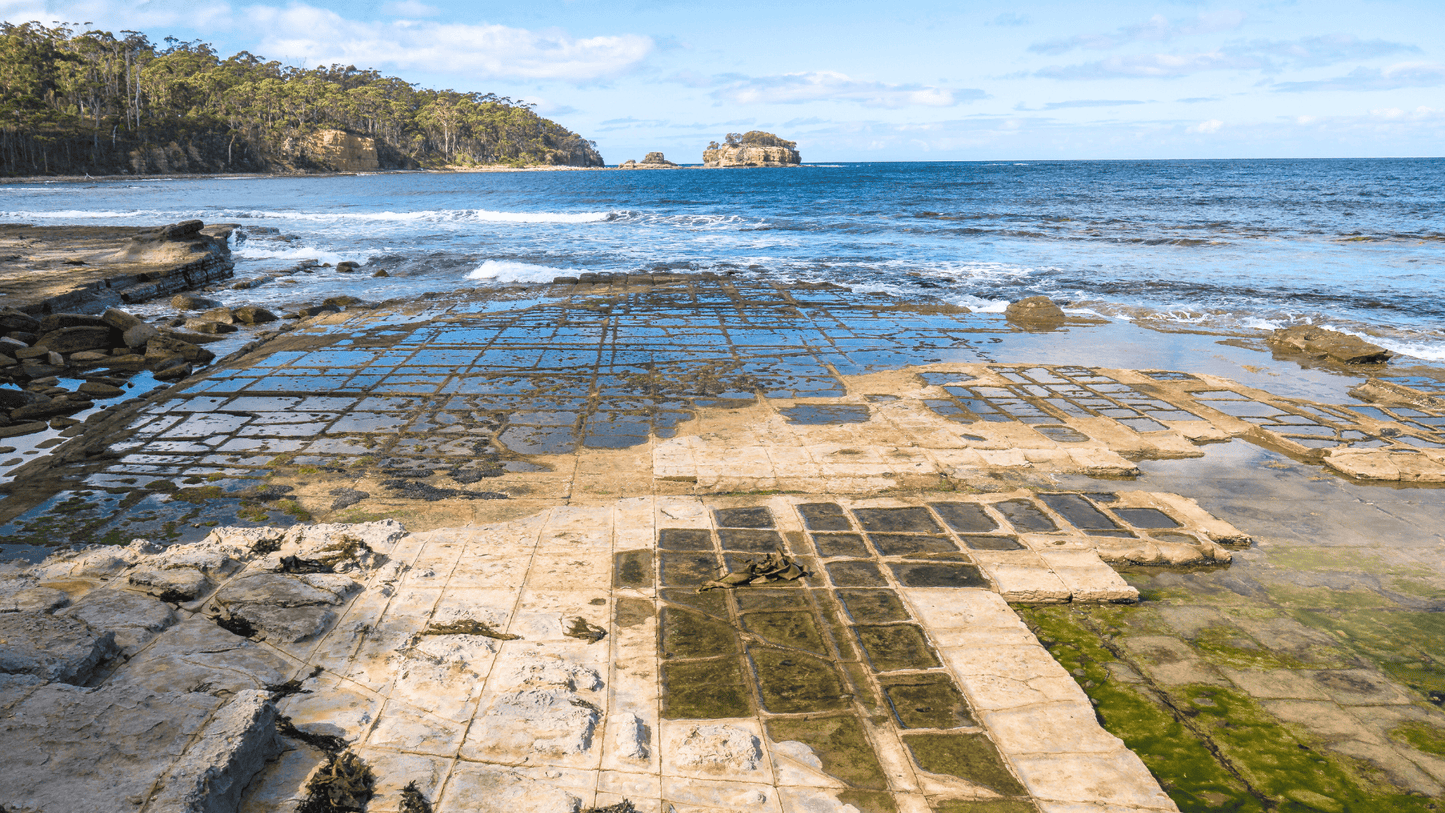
(430, 216)
(514, 271)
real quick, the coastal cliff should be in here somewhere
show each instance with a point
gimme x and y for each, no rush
(752, 149)
(342, 151)
(93, 103)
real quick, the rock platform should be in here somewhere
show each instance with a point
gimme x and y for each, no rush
(467, 545)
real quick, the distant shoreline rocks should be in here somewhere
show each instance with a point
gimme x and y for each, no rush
(752, 149)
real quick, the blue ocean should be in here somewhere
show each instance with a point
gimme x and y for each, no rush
(1357, 245)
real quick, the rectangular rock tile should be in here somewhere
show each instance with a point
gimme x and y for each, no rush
(1058, 727)
(1117, 780)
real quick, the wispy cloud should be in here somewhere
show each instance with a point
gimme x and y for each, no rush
(832, 86)
(1408, 75)
(1267, 56)
(1089, 103)
(1010, 19)
(322, 36)
(1156, 29)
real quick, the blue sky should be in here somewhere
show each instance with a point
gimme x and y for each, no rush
(906, 81)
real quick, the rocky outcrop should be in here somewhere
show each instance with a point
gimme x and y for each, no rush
(1035, 313)
(751, 157)
(1319, 342)
(341, 151)
(653, 160)
(752, 149)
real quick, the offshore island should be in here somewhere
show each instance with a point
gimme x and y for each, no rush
(667, 541)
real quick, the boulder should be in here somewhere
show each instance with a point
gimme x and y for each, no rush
(252, 315)
(77, 339)
(121, 320)
(89, 357)
(178, 243)
(342, 301)
(96, 389)
(39, 352)
(1035, 312)
(175, 372)
(13, 319)
(52, 648)
(12, 344)
(381, 272)
(6, 361)
(14, 399)
(1324, 343)
(133, 618)
(121, 747)
(178, 584)
(222, 315)
(191, 302)
(139, 334)
(210, 328)
(166, 346)
(346, 267)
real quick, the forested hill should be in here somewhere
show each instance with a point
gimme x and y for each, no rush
(74, 103)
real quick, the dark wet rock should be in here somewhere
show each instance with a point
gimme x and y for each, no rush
(49, 409)
(192, 302)
(52, 648)
(1035, 312)
(77, 339)
(25, 353)
(23, 337)
(252, 315)
(342, 301)
(13, 319)
(174, 372)
(381, 272)
(414, 490)
(100, 390)
(168, 346)
(14, 399)
(1324, 343)
(61, 321)
(347, 266)
(19, 429)
(346, 497)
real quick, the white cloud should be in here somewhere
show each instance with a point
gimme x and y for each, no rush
(832, 86)
(320, 36)
(114, 15)
(1204, 127)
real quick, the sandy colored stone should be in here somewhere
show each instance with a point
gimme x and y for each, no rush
(53, 648)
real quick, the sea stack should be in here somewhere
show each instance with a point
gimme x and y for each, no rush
(752, 149)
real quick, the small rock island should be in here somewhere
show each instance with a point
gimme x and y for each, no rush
(653, 160)
(752, 149)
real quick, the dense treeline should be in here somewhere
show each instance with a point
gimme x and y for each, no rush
(92, 102)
